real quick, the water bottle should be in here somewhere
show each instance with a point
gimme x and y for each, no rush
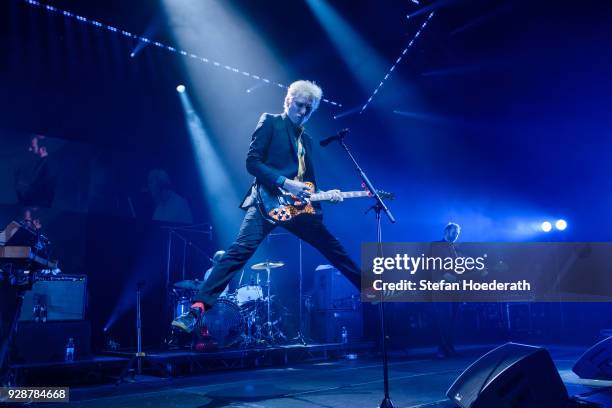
(70, 350)
(36, 313)
(43, 313)
(344, 335)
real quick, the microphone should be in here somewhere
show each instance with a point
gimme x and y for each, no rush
(338, 136)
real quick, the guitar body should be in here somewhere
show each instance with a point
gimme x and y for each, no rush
(280, 206)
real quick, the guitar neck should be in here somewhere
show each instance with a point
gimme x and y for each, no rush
(344, 194)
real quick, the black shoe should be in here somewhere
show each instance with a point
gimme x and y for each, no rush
(187, 321)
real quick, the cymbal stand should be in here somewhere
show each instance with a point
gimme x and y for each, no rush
(272, 331)
(268, 314)
(138, 357)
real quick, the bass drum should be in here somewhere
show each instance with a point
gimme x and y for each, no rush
(224, 323)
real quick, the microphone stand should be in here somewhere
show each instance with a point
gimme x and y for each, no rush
(378, 207)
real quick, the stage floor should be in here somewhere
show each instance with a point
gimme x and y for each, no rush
(417, 379)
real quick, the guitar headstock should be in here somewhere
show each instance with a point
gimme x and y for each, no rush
(385, 195)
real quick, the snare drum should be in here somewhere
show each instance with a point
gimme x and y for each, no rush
(248, 293)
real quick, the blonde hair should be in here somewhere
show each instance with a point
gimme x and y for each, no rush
(307, 89)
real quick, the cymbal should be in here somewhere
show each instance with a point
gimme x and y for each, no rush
(188, 284)
(267, 265)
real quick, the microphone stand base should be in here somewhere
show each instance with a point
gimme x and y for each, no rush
(387, 403)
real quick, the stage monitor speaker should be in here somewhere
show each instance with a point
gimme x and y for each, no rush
(510, 376)
(46, 342)
(62, 295)
(333, 291)
(596, 362)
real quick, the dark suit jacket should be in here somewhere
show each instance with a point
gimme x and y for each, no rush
(273, 153)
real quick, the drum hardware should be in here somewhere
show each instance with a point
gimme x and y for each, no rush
(241, 318)
(270, 328)
(248, 293)
(266, 266)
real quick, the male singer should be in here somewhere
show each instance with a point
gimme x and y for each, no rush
(280, 155)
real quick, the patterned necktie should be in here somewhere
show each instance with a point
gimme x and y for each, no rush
(300, 153)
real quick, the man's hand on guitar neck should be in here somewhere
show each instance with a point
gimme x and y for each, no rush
(336, 197)
(297, 188)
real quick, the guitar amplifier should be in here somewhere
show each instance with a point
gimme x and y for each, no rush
(63, 297)
(332, 291)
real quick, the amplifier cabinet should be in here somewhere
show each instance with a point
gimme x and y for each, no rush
(63, 297)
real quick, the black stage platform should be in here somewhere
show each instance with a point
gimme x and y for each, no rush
(172, 363)
(417, 379)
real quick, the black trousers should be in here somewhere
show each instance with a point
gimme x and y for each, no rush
(253, 230)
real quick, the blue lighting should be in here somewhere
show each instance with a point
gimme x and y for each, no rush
(180, 88)
(397, 61)
(95, 23)
(546, 226)
(561, 225)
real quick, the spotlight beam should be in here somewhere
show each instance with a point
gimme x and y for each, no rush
(397, 61)
(347, 112)
(362, 60)
(54, 10)
(218, 186)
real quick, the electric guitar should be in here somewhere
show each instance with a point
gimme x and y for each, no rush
(282, 206)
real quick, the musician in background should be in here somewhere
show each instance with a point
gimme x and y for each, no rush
(31, 219)
(280, 155)
(35, 177)
(445, 313)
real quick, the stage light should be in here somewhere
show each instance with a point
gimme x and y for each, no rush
(397, 61)
(363, 61)
(561, 225)
(51, 9)
(180, 88)
(254, 87)
(132, 55)
(546, 226)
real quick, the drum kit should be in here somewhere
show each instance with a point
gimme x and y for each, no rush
(250, 316)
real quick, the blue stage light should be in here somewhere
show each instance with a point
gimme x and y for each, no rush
(397, 61)
(561, 225)
(546, 226)
(95, 23)
(180, 88)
